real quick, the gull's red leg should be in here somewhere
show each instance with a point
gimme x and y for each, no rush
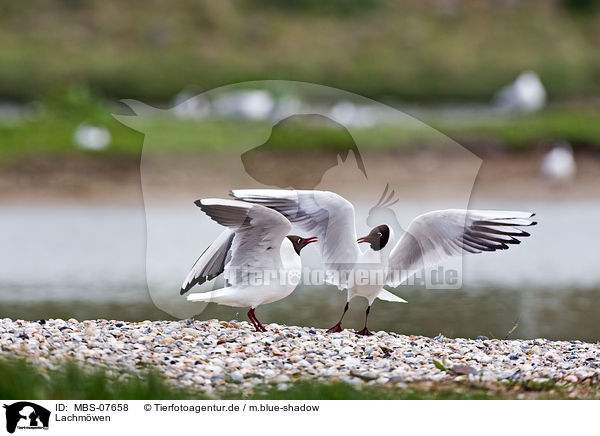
(253, 319)
(262, 327)
(365, 331)
(338, 327)
(257, 325)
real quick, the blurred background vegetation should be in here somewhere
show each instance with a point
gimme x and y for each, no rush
(429, 50)
(63, 62)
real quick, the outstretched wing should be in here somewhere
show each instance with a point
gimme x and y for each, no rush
(258, 234)
(437, 235)
(324, 214)
(211, 263)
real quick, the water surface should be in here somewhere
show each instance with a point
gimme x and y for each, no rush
(89, 262)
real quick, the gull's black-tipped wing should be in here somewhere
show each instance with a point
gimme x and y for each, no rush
(437, 235)
(251, 242)
(211, 263)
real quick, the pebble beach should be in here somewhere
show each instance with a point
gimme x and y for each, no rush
(215, 355)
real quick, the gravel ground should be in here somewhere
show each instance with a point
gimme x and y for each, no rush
(214, 355)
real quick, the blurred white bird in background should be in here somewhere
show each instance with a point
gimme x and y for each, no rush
(254, 104)
(525, 94)
(89, 137)
(287, 105)
(350, 114)
(186, 105)
(558, 165)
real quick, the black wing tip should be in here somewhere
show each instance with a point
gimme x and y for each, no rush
(185, 289)
(533, 223)
(196, 281)
(198, 203)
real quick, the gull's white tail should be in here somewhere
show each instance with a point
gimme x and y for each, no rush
(228, 296)
(388, 296)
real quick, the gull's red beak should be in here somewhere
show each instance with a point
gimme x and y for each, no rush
(363, 239)
(311, 240)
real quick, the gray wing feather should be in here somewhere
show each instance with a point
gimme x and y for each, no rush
(211, 263)
(324, 214)
(259, 232)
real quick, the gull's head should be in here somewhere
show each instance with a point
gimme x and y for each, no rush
(377, 238)
(299, 243)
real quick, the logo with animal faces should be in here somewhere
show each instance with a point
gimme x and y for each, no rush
(283, 135)
(25, 415)
(259, 162)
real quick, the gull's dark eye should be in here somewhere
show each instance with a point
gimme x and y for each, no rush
(378, 233)
(299, 240)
